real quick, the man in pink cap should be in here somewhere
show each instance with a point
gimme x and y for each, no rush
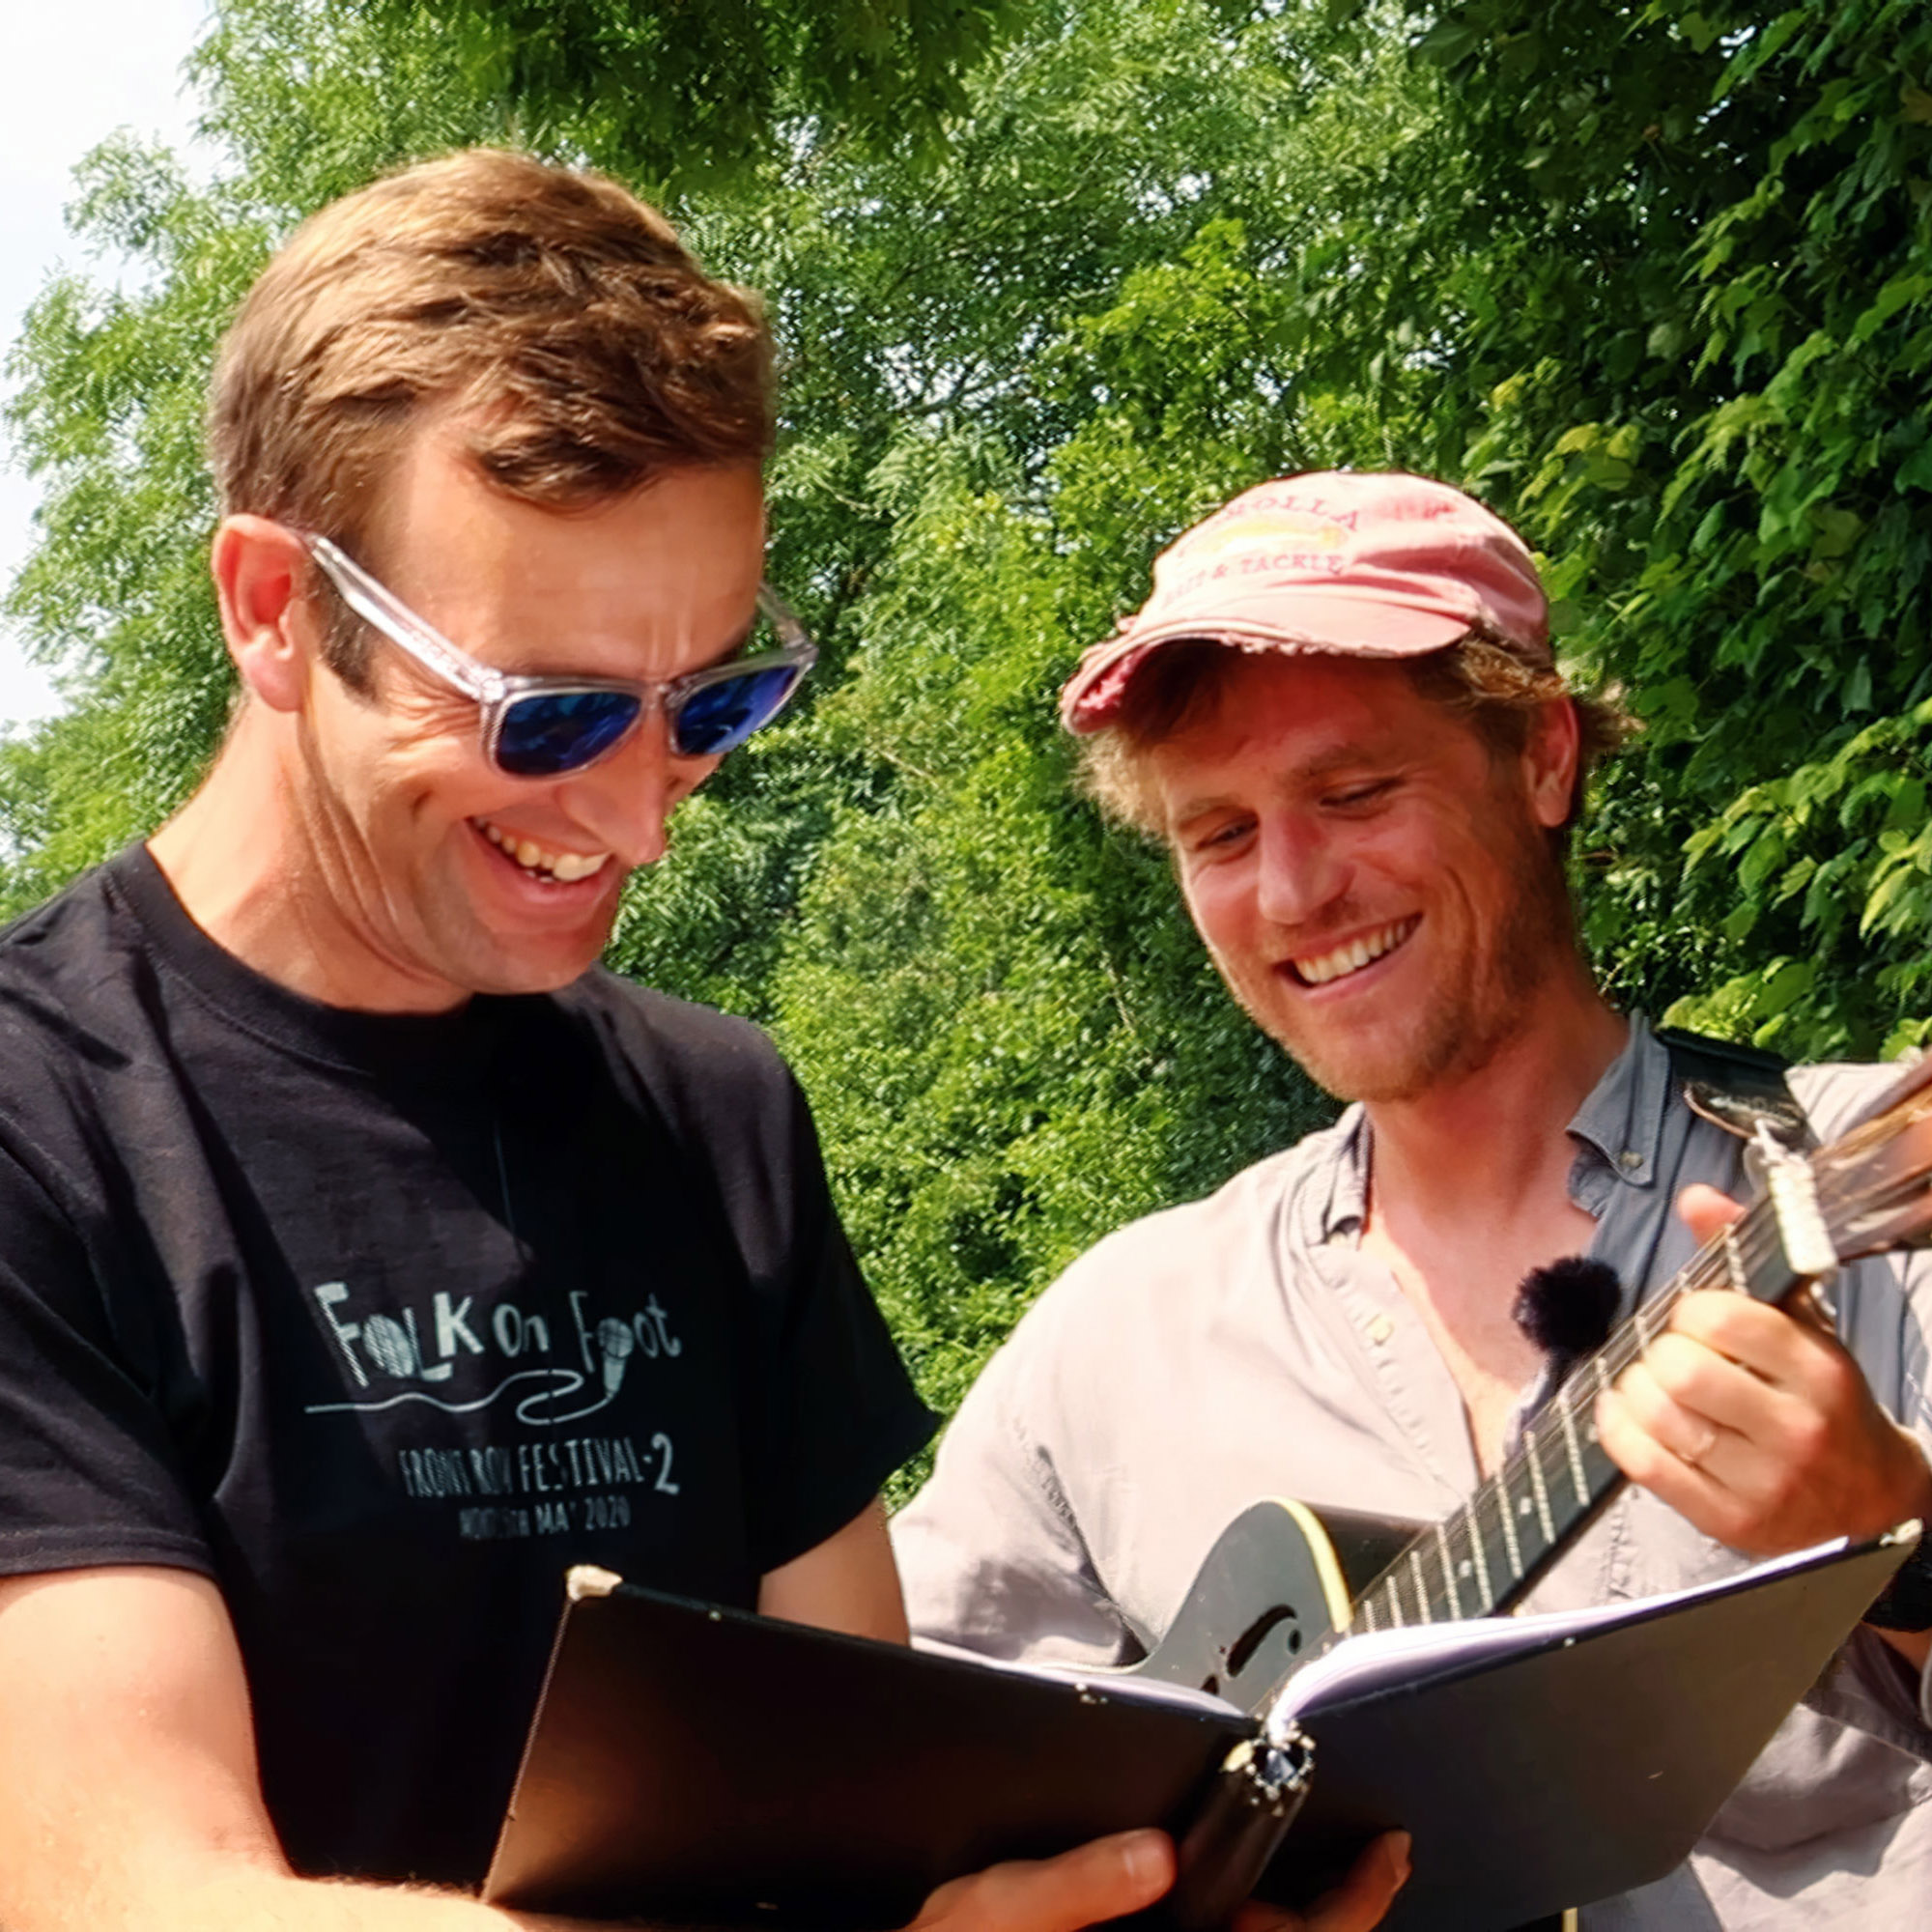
(1340, 712)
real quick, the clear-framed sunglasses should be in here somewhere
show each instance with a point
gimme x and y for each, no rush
(543, 727)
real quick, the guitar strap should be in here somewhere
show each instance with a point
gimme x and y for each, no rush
(1567, 1307)
(1736, 1088)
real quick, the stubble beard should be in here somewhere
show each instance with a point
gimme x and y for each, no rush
(462, 946)
(1461, 1027)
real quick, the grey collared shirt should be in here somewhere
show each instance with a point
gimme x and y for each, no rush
(1245, 1346)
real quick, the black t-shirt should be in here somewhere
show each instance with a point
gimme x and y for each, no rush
(384, 1320)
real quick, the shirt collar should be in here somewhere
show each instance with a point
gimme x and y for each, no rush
(1620, 1125)
(1345, 1206)
(1619, 1129)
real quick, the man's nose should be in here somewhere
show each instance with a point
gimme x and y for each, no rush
(1301, 872)
(625, 800)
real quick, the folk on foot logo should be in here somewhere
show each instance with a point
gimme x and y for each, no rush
(450, 1358)
(437, 1355)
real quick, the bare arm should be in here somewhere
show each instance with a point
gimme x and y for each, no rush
(128, 1763)
(848, 1582)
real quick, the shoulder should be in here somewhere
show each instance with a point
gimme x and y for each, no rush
(716, 1080)
(1196, 1251)
(1249, 1204)
(1834, 1092)
(1125, 1324)
(65, 940)
(74, 993)
(676, 1038)
(67, 968)
(680, 1026)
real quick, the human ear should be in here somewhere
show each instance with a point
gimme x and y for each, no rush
(259, 569)
(1549, 759)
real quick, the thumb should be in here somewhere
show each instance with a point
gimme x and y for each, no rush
(1104, 1880)
(1705, 1211)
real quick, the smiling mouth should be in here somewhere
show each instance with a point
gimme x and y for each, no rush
(557, 868)
(1321, 969)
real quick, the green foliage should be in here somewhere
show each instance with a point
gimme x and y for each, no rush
(108, 411)
(1012, 373)
(1838, 851)
(1011, 1033)
(686, 94)
(1049, 283)
(1704, 396)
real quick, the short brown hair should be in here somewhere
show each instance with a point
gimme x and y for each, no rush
(560, 316)
(1485, 682)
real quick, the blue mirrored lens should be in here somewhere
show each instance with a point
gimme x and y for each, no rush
(556, 732)
(717, 718)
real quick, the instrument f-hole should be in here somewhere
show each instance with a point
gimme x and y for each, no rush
(1241, 1652)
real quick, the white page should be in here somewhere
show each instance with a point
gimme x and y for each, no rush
(1107, 1680)
(1419, 1652)
(1412, 1654)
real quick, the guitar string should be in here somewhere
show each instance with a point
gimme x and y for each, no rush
(1756, 1239)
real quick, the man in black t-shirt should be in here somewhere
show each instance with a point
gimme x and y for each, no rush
(367, 1255)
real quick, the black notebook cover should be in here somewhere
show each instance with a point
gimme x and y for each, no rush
(705, 1764)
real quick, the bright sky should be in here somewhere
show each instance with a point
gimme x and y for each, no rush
(81, 68)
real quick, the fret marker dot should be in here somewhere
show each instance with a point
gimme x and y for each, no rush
(1523, 1508)
(1466, 1568)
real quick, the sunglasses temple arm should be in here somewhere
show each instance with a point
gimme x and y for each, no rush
(791, 633)
(401, 625)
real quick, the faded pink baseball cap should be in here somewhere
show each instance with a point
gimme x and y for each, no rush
(1371, 566)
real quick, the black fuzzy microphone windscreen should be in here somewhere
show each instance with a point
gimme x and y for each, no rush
(1566, 1308)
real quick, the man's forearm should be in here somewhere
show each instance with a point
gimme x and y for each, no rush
(259, 1900)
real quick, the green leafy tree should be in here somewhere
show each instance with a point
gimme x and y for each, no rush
(1700, 338)
(674, 94)
(1013, 1038)
(1049, 283)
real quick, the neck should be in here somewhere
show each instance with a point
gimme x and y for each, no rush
(251, 873)
(1483, 1145)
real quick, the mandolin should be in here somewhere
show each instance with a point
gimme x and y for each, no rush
(1285, 1581)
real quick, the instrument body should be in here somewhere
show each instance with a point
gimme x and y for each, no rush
(1278, 1587)
(1286, 1580)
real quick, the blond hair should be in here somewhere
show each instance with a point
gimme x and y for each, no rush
(557, 316)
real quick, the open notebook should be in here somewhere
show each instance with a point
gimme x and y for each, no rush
(704, 1764)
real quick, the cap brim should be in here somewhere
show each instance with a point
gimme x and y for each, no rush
(1331, 625)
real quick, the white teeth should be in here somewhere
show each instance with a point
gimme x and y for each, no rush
(1323, 967)
(564, 866)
